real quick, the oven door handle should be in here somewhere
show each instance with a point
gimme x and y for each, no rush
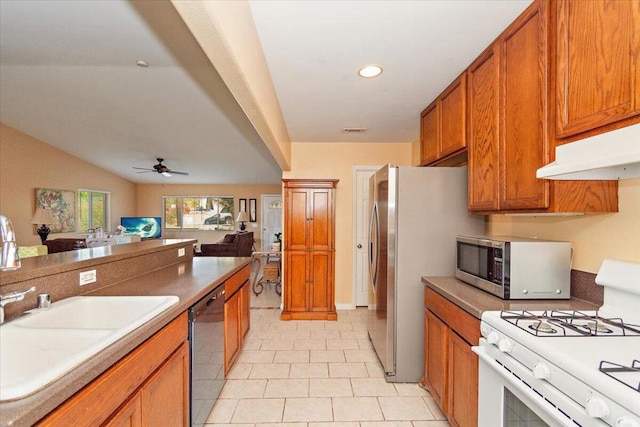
(517, 374)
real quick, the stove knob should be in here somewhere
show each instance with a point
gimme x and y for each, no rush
(626, 422)
(505, 346)
(493, 337)
(597, 408)
(541, 371)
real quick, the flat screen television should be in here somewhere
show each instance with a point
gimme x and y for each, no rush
(147, 227)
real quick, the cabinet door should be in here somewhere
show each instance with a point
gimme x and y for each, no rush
(129, 415)
(297, 218)
(321, 223)
(165, 397)
(453, 109)
(463, 381)
(429, 134)
(436, 350)
(231, 330)
(524, 139)
(245, 318)
(482, 128)
(597, 69)
(321, 281)
(296, 296)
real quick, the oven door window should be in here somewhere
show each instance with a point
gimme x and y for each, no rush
(517, 413)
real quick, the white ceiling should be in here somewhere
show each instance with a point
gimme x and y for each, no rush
(315, 48)
(68, 77)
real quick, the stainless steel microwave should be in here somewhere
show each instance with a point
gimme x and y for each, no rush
(515, 267)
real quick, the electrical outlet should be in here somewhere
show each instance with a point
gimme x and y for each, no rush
(87, 277)
(181, 252)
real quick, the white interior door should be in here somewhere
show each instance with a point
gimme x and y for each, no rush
(271, 217)
(361, 216)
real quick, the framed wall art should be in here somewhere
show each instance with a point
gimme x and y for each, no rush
(242, 205)
(253, 210)
(63, 208)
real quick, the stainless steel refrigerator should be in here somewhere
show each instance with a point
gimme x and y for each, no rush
(416, 214)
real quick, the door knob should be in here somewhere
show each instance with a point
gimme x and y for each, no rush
(359, 246)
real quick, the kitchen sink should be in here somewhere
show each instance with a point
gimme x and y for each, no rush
(109, 312)
(40, 347)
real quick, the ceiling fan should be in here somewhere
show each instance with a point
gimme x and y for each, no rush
(161, 169)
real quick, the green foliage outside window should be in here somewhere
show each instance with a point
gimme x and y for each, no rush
(93, 210)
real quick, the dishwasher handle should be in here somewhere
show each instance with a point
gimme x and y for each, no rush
(212, 300)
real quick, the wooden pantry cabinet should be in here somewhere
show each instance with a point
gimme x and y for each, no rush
(597, 64)
(451, 367)
(442, 126)
(309, 249)
(237, 317)
(508, 127)
(149, 386)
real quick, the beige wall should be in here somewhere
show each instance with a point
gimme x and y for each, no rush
(27, 163)
(336, 161)
(415, 152)
(149, 203)
(594, 236)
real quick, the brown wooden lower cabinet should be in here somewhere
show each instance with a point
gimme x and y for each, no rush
(149, 386)
(437, 335)
(310, 287)
(463, 383)
(236, 315)
(451, 368)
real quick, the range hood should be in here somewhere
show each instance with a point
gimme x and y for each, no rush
(612, 155)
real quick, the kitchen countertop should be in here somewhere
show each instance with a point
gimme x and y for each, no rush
(189, 281)
(475, 301)
(39, 266)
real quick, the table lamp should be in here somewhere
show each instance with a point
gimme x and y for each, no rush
(43, 216)
(242, 218)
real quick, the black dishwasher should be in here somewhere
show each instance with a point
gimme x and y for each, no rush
(206, 344)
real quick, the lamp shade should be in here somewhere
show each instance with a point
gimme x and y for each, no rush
(242, 217)
(42, 216)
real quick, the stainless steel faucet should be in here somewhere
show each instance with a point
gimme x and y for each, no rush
(9, 260)
(12, 297)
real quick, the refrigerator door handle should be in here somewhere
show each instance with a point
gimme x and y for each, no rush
(374, 246)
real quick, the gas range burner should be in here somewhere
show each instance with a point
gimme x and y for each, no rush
(596, 327)
(627, 375)
(569, 323)
(542, 327)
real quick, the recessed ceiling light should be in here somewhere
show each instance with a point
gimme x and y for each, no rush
(141, 63)
(369, 71)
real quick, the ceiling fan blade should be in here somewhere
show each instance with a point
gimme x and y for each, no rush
(147, 171)
(178, 173)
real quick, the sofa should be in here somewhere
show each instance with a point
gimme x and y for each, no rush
(235, 244)
(64, 245)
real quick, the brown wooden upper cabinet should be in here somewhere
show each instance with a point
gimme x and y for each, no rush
(597, 64)
(442, 124)
(508, 129)
(309, 216)
(309, 223)
(482, 131)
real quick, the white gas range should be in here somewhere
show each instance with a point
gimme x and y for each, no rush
(565, 368)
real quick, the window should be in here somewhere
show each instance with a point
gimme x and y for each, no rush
(198, 212)
(93, 210)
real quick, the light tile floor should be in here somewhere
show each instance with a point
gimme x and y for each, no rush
(316, 374)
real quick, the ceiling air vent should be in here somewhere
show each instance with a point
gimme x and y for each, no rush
(354, 130)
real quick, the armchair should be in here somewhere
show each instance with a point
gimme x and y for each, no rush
(235, 245)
